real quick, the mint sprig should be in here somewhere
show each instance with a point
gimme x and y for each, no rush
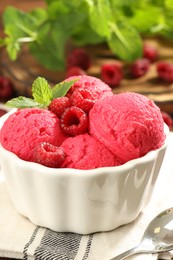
(22, 102)
(121, 24)
(61, 89)
(41, 91)
(42, 94)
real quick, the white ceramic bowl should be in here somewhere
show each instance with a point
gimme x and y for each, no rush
(81, 201)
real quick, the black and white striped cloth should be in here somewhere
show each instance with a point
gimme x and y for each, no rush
(54, 245)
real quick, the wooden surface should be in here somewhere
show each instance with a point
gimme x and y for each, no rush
(26, 69)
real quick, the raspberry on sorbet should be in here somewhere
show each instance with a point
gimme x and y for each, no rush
(49, 155)
(58, 105)
(74, 121)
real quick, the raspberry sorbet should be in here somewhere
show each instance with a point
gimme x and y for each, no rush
(96, 86)
(128, 124)
(26, 128)
(85, 152)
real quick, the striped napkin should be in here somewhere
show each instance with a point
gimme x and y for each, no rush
(20, 239)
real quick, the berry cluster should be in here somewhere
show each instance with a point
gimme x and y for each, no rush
(78, 62)
(112, 74)
(73, 111)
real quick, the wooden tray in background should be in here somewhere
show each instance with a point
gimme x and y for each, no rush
(26, 69)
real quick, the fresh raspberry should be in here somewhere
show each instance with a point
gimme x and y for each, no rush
(74, 121)
(83, 99)
(58, 105)
(74, 71)
(111, 74)
(6, 88)
(140, 67)
(80, 58)
(165, 71)
(2, 112)
(49, 155)
(167, 119)
(150, 52)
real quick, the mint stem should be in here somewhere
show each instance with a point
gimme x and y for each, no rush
(115, 29)
(26, 39)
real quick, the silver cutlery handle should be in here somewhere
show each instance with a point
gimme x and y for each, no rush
(135, 250)
(127, 253)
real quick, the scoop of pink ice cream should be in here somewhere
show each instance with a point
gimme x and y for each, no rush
(128, 124)
(25, 128)
(85, 152)
(97, 87)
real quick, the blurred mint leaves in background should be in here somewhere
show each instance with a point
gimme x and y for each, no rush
(119, 23)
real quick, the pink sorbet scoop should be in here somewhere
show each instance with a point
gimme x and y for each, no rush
(85, 152)
(97, 87)
(26, 128)
(128, 124)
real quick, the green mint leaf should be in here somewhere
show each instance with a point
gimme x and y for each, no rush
(39, 16)
(48, 48)
(13, 48)
(61, 89)
(167, 25)
(99, 15)
(64, 4)
(57, 8)
(41, 91)
(143, 20)
(19, 26)
(84, 35)
(168, 5)
(2, 42)
(22, 102)
(125, 41)
(64, 12)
